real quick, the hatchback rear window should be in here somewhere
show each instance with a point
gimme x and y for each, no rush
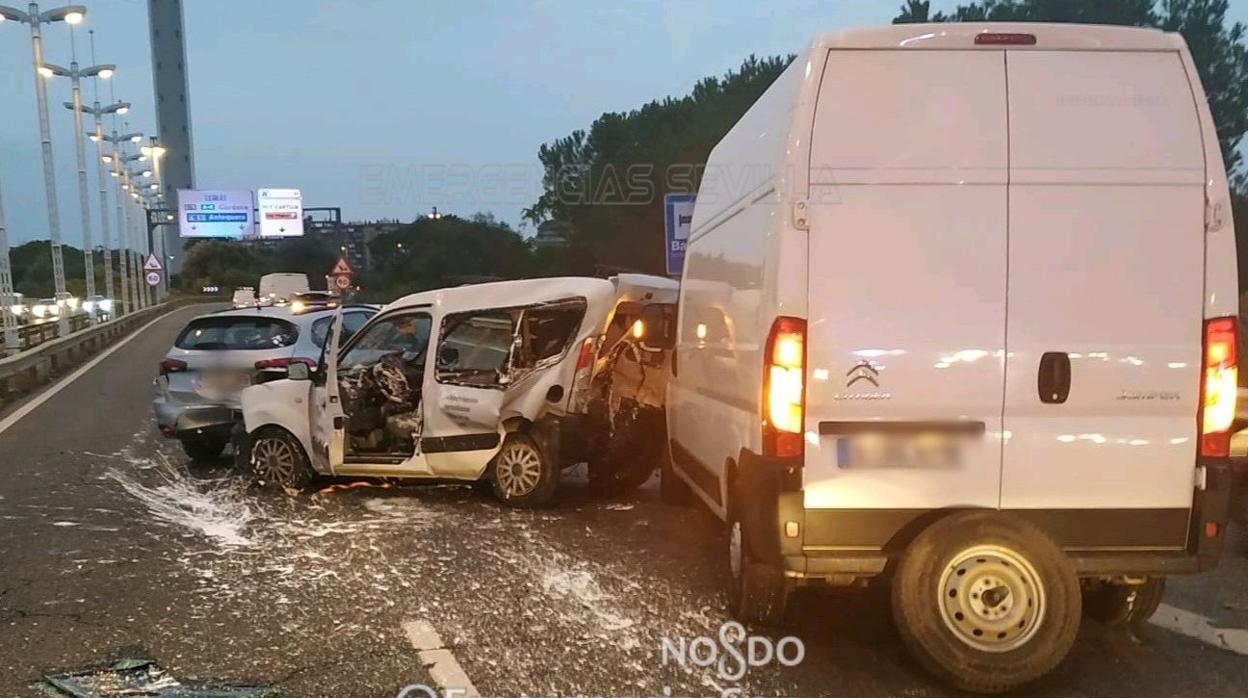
(237, 334)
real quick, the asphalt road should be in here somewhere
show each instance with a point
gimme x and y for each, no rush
(110, 545)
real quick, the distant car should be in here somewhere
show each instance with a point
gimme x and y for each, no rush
(244, 297)
(313, 299)
(98, 307)
(45, 309)
(215, 356)
(281, 287)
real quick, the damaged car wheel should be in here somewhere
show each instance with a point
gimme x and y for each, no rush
(522, 476)
(277, 460)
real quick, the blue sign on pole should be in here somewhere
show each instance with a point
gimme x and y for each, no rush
(678, 218)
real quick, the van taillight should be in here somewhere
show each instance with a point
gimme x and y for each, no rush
(784, 388)
(168, 366)
(1005, 39)
(586, 354)
(1220, 386)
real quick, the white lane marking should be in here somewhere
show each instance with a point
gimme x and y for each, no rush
(440, 662)
(1201, 628)
(57, 387)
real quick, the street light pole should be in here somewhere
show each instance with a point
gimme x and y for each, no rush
(7, 299)
(116, 158)
(156, 152)
(71, 14)
(75, 74)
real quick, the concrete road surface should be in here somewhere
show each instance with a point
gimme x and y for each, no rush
(110, 544)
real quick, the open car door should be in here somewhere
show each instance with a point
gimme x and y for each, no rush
(325, 416)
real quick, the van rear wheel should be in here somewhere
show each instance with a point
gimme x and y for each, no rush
(759, 593)
(1124, 605)
(986, 602)
(521, 474)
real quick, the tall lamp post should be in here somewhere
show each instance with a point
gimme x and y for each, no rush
(97, 137)
(114, 158)
(70, 14)
(75, 75)
(7, 299)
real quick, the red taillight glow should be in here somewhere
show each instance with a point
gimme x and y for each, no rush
(285, 362)
(1220, 386)
(784, 388)
(586, 355)
(1004, 39)
(168, 366)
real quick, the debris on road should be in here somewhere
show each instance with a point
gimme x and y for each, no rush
(137, 677)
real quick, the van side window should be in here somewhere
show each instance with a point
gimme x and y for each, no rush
(475, 347)
(546, 332)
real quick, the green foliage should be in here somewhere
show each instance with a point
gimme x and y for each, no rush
(230, 264)
(32, 270)
(434, 253)
(1219, 51)
(608, 183)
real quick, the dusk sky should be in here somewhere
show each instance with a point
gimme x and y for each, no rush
(366, 104)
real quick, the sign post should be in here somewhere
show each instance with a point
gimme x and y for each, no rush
(279, 212)
(340, 276)
(677, 219)
(153, 270)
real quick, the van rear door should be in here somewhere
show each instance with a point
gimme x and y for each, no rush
(1106, 248)
(907, 264)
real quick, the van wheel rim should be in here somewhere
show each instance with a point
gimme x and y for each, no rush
(519, 470)
(274, 460)
(991, 599)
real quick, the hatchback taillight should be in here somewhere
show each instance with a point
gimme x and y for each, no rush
(784, 388)
(168, 366)
(284, 362)
(1219, 386)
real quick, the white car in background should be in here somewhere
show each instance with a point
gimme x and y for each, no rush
(195, 396)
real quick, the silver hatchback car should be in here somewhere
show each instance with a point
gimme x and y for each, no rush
(215, 356)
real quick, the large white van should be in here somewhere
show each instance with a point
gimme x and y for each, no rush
(959, 311)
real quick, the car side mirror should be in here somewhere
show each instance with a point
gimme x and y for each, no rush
(448, 357)
(298, 371)
(657, 327)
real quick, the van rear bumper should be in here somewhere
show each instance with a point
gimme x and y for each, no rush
(850, 546)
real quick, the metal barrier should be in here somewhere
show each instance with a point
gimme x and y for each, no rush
(50, 356)
(30, 336)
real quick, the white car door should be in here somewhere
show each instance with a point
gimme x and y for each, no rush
(325, 415)
(465, 391)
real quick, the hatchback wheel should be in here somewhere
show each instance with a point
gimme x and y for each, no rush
(277, 460)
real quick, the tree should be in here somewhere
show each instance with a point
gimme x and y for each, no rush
(608, 183)
(448, 251)
(1219, 51)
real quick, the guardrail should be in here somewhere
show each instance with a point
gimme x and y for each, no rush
(50, 356)
(31, 336)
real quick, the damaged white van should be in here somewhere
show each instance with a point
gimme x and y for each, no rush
(488, 382)
(959, 311)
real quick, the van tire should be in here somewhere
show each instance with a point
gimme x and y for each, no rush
(758, 593)
(983, 650)
(277, 461)
(521, 453)
(1124, 605)
(672, 489)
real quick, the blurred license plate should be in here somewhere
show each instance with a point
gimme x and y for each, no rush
(217, 383)
(934, 450)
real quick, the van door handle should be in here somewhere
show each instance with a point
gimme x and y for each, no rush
(1053, 381)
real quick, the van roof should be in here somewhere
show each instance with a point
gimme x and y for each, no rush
(961, 35)
(507, 294)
